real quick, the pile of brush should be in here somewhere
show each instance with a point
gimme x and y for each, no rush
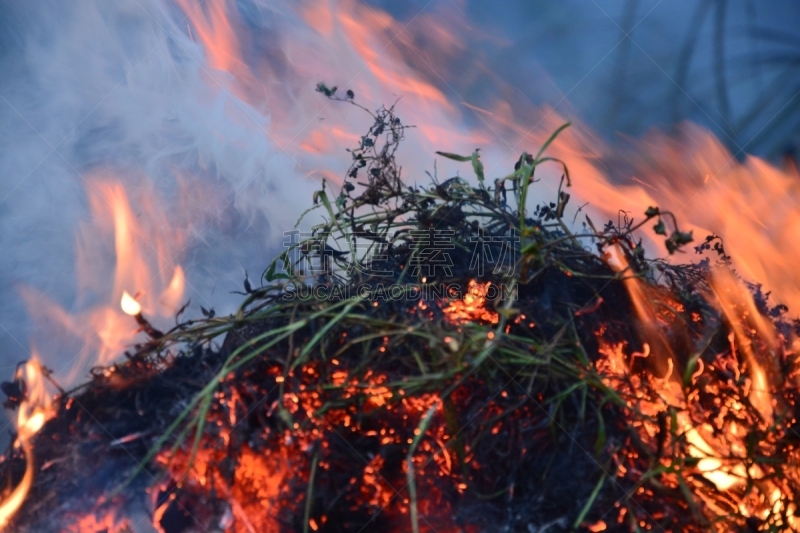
(440, 359)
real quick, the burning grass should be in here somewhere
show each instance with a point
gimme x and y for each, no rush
(515, 376)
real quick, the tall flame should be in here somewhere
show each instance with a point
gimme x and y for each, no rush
(215, 32)
(34, 410)
(743, 316)
(658, 351)
(145, 245)
(754, 345)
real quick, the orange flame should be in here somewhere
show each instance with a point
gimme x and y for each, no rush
(751, 205)
(144, 253)
(135, 244)
(34, 411)
(658, 349)
(754, 345)
(740, 309)
(215, 32)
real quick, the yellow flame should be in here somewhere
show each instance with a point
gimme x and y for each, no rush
(34, 411)
(10, 506)
(739, 308)
(710, 465)
(129, 305)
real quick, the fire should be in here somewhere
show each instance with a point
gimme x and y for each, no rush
(472, 307)
(709, 464)
(144, 262)
(129, 305)
(145, 242)
(750, 204)
(755, 349)
(214, 31)
(251, 495)
(749, 327)
(103, 524)
(34, 410)
(263, 487)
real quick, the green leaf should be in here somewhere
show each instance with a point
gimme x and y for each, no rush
(285, 416)
(321, 87)
(271, 275)
(682, 237)
(600, 441)
(531, 248)
(328, 207)
(525, 172)
(651, 212)
(550, 140)
(588, 505)
(455, 157)
(678, 239)
(477, 166)
(660, 228)
(691, 461)
(560, 162)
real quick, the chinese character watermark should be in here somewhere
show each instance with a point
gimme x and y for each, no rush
(365, 254)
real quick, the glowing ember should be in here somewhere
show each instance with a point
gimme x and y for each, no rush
(102, 524)
(472, 308)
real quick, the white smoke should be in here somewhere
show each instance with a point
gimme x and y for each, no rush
(116, 89)
(129, 90)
